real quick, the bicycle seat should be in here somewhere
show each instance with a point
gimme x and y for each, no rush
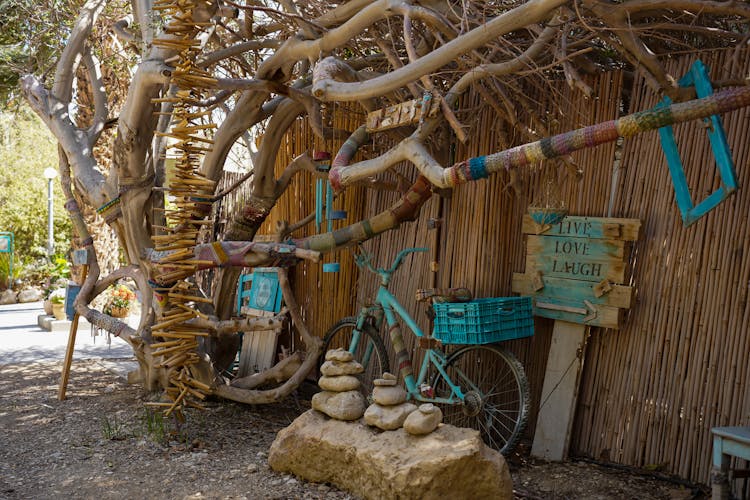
(444, 295)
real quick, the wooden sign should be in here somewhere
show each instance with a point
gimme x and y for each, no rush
(405, 113)
(575, 269)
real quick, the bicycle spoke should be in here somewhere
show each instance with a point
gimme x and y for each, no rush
(494, 380)
(508, 429)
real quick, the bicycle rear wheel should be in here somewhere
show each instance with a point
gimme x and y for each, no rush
(370, 350)
(496, 394)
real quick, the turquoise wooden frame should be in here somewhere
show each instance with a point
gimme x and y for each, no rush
(698, 77)
(243, 292)
(10, 237)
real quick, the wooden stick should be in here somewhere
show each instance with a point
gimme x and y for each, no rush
(71, 346)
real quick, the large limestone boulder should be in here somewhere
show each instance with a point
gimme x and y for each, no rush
(451, 462)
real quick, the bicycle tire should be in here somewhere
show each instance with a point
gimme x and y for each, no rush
(500, 408)
(340, 335)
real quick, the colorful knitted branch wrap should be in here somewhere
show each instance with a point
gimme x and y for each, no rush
(107, 206)
(594, 135)
(345, 155)
(106, 322)
(404, 209)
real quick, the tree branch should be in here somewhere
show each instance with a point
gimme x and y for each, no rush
(530, 12)
(101, 110)
(71, 56)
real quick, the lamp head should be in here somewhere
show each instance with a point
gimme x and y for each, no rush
(50, 173)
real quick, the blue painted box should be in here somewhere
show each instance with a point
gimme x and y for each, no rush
(264, 293)
(71, 292)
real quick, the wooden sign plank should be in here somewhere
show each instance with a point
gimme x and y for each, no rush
(405, 113)
(617, 296)
(610, 228)
(578, 312)
(594, 270)
(583, 248)
(554, 421)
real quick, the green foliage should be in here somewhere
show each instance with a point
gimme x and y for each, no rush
(113, 429)
(26, 149)
(32, 35)
(154, 427)
(57, 296)
(5, 270)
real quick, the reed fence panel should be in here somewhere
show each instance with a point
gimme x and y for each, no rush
(651, 391)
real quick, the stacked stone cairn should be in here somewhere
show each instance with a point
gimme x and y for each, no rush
(340, 398)
(424, 420)
(390, 409)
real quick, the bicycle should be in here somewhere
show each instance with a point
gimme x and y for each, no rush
(496, 405)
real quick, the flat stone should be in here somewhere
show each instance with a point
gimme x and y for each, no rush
(334, 368)
(340, 355)
(423, 421)
(348, 405)
(384, 382)
(342, 383)
(388, 396)
(451, 462)
(388, 418)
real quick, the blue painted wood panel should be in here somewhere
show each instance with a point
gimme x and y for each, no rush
(611, 228)
(618, 296)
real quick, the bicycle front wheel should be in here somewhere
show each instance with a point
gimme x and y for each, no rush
(496, 394)
(369, 351)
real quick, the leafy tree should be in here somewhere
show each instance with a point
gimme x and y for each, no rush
(32, 36)
(203, 77)
(26, 149)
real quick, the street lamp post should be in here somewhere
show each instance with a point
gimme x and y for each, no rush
(49, 174)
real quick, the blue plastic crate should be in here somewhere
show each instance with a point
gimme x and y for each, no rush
(483, 321)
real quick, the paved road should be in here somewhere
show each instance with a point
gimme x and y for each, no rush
(22, 340)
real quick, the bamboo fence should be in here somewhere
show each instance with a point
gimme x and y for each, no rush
(651, 391)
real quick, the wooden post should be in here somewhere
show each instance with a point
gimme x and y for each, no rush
(77, 257)
(560, 391)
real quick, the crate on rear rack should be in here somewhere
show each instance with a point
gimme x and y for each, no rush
(483, 321)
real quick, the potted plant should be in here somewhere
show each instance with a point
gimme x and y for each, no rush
(120, 299)
(57, 299)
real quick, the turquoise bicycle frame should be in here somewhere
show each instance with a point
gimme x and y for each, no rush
(386, 304)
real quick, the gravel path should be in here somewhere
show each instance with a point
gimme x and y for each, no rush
(102, 443)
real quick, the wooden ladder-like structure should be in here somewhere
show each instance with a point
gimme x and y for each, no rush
(178, 338)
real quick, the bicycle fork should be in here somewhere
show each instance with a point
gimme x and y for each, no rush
(367, 312)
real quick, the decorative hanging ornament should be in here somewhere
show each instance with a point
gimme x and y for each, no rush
(549, 208)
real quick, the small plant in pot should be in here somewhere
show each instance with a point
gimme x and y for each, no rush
(119, 301)
(57, 299)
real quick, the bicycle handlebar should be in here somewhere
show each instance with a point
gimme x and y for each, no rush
(403, 254)
(365, 260)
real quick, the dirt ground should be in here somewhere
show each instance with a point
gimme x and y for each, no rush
(102, 443)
